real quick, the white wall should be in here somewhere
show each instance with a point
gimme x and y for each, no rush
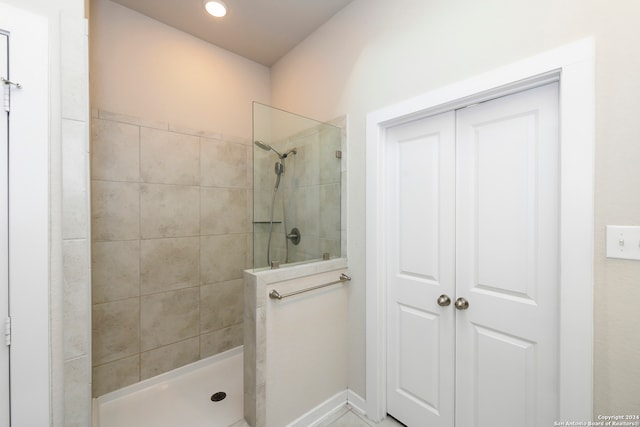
(306, 346)
(372, 54)
(143, 68)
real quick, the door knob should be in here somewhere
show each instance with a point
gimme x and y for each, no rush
(462, 304)
(444, 300)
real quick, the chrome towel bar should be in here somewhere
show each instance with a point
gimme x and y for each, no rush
(276, 295)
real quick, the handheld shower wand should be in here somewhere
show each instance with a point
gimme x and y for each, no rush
(279, 166)
(267, 147)
(279, 171)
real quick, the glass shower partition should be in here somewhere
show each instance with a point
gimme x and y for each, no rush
(296, 188)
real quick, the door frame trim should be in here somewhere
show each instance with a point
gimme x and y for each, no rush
(572, 65)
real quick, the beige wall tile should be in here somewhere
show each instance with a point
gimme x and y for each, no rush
(169, 211)
(262, 205)
(305, 164)
(249, 157)
(147, 179)
(308, 249)
(233, 139)
(249, 210)
(329, 213)
(249, 263)
(75, 182)
(169, 317)
(263, 184)
(189, 131)
(223, 164)
(77, 384)
(75, 221)
(73, 69)
(116, 270)
(330, 165)
(77, 288)
(169, 157)
(169, 264)
(138, 121)
(116, 332)
(221, 305)
(115, 213)
(221, 340)
(306, 211)
(259, 245)
(260, 242)
(222, 257)
(115, 151)
(164, 359)
(330, 246)
(115, 375)
(223, 210)
(70, 380)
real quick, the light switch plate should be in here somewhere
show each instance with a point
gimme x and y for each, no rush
(623, 241)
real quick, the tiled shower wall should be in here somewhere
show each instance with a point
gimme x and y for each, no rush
(314, 198)
(312, 189)
(171, 235)
(69, 184)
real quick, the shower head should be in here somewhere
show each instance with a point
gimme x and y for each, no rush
(267, 147)
(262, 145)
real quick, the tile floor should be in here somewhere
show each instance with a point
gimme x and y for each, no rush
(351, 418)
(346, 417)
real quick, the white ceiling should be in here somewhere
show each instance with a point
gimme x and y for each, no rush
(261, 30)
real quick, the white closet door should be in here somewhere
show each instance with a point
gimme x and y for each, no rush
(420, 246)
(4, 237)
(507, 266)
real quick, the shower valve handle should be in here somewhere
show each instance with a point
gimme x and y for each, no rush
(294, 236)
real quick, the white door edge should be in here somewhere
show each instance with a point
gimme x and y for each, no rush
(4, 241)
(29, 216)
(573, 65)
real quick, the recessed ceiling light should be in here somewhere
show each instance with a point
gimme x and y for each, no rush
(216, 8)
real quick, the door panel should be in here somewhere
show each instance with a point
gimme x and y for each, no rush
(494, 167)
(413, 351)
(503, 168)
(418, 206)
(420, 244)
(507, 228)
(4, 238)
(513, 359)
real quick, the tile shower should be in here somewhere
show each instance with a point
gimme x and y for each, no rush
(176, 215)
(309, 189)
(171, 235)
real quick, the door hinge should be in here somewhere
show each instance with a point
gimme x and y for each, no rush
(7, 331)
(6, 97)
(6, 103)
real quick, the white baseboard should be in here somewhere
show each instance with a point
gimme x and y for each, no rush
(322, 411)
(356, 402)
(314, 417)
(330, 408)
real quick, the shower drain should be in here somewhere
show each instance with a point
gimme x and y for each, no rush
(217, 397)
